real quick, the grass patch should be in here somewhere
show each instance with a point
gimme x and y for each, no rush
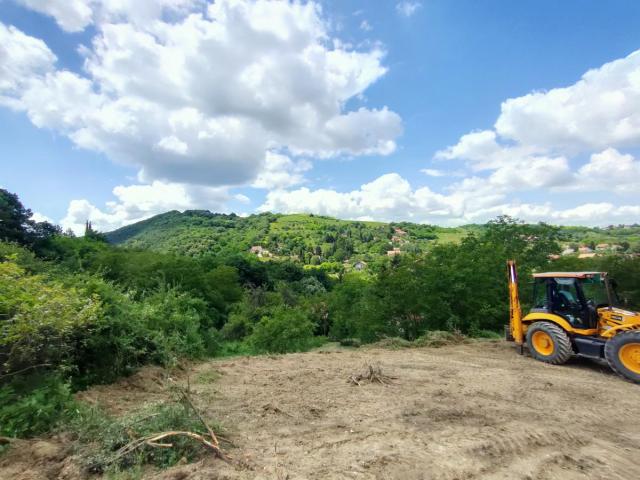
(488, 334)
(393, 343)
(433, 339)
(351, 342)
(440, 338)
(209, 376)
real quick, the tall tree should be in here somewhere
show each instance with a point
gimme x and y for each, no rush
(15, 220)
(17, 226)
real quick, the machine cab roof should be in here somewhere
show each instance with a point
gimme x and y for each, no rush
(569, 274)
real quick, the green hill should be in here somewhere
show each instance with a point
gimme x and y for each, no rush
(314, 239)
(310, 238)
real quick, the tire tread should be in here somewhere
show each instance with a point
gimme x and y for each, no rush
(611, 348)
(564, 350)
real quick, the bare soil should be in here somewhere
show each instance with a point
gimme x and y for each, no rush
(475, 410)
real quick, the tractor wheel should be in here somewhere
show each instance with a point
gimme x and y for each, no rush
(549, 343)
(623, 355)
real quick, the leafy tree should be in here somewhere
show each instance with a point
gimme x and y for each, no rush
(17, 226)
(285, 330)
(15, 219)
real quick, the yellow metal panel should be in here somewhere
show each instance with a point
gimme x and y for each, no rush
(557, 319)
(515, 311)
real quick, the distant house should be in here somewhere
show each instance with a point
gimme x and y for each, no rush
(568, 251)
(397, 239)
(399, 231)
(260, 251)
(587, 255)
(554, 256)
(602, 247)
(359, 266)
(394, 252)
(584, 250)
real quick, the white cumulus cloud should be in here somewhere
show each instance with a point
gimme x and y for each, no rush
(202, 98)
(76, 15)
(21, 58)
(537, 135)
(281, 172)
(601, 110)
(391, 197)
(610, 171)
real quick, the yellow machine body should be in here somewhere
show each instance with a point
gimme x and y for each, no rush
(610, 322)
(613, 333)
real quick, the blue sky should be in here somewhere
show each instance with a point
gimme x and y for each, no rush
(390, 110)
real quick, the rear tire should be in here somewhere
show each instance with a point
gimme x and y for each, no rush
(623, 355)
(549, 343)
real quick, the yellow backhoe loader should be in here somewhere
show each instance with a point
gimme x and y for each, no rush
(575, 313)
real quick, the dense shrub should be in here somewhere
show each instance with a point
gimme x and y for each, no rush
(40, 318)
(177, 323)
(285, 330)
(33, 404)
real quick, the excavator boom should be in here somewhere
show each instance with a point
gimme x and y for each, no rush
(515, 311)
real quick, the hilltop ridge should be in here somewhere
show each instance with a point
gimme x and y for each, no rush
(314, 239)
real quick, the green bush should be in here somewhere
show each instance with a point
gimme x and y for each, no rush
(176, 322)
(237, 327)
(40, 318)
(119, 341)
(285, 330)
(33, 405)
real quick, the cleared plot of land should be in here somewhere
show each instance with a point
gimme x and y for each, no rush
(467, 411)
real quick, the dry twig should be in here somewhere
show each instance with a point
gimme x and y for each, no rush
(155, 440)
(372, 374)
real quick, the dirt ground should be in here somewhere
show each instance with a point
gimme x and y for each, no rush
(467, 411)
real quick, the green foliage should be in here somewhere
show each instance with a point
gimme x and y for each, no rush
(285, 330)
(33, 405)
(625, 270)
(455, 287)
(40, 318)
(78, 311)
(316, 240)
(17, 226)
(178, 323)
(308, 239)
(102, 436)
(348, 306)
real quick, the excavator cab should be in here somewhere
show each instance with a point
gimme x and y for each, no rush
(575, 313)
(575, 298)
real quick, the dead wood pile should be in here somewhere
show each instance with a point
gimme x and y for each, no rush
(370, 374)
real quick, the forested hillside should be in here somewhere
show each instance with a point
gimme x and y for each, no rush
(80, 311)
(310, 239)
(314, 240)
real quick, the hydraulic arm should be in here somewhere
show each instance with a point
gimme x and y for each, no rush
(515, 311)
